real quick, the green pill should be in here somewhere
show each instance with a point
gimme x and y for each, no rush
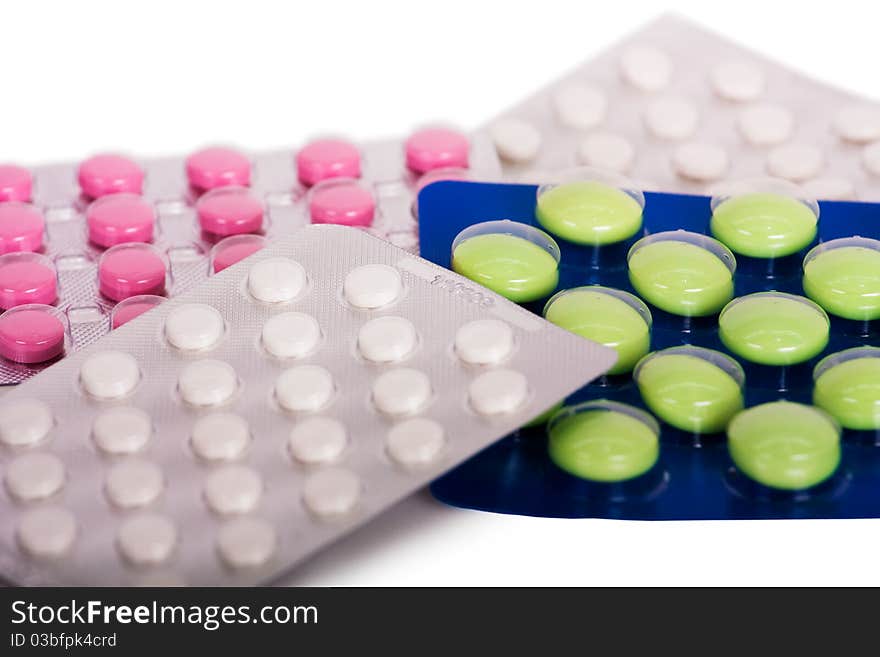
(603, 441)
(693, 389)
(613, 318)
(682, 273)
(847, 385)
(773, 328)
(515, 260)
(843, 276)
(784, 445)
(589, 212)
(764, 225)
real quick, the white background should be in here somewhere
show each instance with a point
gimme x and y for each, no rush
(156, 77)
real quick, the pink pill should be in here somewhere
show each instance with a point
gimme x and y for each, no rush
(110, 174)
(233, 249)
(230, 211)
(327, 158)
(31, 334)
(128, 309)
(344, 202)
(120, 218)
(435, 148)
(26, 278)
(126, 270)
(21, 227)
(15, 183)
(215, 167)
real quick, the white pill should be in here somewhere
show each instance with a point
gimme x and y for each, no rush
(134, 483)
(317, 441)
(372, 286)
(122, 430)
(387, 339)
(415, 443)
(146, 539)
(580, 106)
(401, 392)
(795, 162)
(858, 123)
(291, 335)
(515, 140)
(220, 437)
(233, 489)
(306, 388)
(34, 476)
(672, 118)
(109, 375)
(46, 532)
(246, 542)
(871, 158)
(738, 80)
(700, 161)
(484, 342)
(646, 67)
(606, 150)
(766, 124)
(25, 422)
(194, 327)
(829, 189)
(498, 391)
(276, 280)
(331, 492)
(207, 383)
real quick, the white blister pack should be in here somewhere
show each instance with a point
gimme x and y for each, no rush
(229, 432)
(677, 108)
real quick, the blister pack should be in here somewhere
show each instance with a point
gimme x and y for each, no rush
(680, 109)
(85, 236)
(232, 430)
(747, 330)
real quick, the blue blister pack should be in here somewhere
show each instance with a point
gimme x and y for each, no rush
(694, 477)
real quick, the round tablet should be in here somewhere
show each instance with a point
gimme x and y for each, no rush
(25, 422)
(331, 493)
(738, 80)
(603, 441)
(327, 158)
(700, 161)
(122, 430)
(304, 389)
(246, 542)
(16, 183)
(608, 151)
(372, 286)
(436, 148)
(772, 328)
(133, 483)
(207, 383)
(127, 270)
(847, 386)
(858, 123)
(21, 227)
(645, 67)
(233, 489)
(344, 202)
(26, 278)
(484, 342)
(276, 280)
(317, 441)
(843, 276)
(34, 476)
(120, 218)
(132, 307)
(830, 189)
(220, 437)
(403, 391)
(766, 124)
(109, 375)
(497, 392)
(233, 249)
(515, 140)
(415, 443)
(31, 334)
(291, 335)
(194, 327)
(588, 212)
(672, 118)
(612, 318)
(215, 167)
(784, 445)
(387, 339)
(682, 273)
(763, 225)
(795, 162)
(230, 211)
(871, 158)
(580, 106)
(105, 174)
(46, 532)
(146, 539)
